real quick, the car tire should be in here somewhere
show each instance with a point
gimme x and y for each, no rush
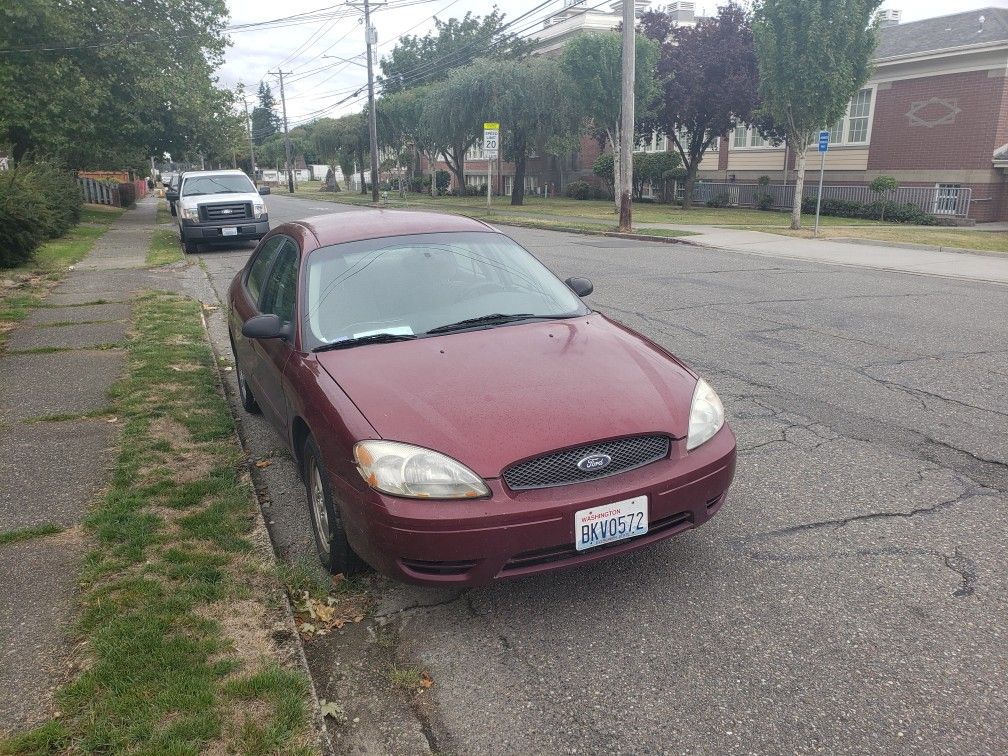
(248, 401)
(334, 550)
(191, 247)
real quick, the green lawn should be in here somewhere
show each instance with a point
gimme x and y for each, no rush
(984, 241)
(164, 248)
(577, 211)
(177, 607)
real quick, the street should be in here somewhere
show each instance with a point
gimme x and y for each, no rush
(851, 595)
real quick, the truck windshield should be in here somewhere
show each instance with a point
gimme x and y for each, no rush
(200, 185)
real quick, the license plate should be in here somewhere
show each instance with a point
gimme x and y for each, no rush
(610, 522)
(229, 231)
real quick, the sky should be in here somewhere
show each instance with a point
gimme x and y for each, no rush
(317, 85)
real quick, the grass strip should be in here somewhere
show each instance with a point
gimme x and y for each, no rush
(164, 248)
(173, 589)
(27, 534)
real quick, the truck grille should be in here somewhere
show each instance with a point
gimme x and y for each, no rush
(561, 468)
(226, 211)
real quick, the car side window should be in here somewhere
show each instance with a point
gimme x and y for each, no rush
(261, 265)
(280, 292)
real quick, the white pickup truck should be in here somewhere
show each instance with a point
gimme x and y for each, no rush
(218, 207)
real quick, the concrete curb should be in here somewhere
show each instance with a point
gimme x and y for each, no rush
(924, 247)
(318, 720)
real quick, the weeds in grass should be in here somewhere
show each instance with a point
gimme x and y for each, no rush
(164, 248)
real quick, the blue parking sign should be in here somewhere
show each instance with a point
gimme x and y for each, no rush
(823, 141)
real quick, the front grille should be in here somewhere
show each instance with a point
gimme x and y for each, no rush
(561, 468)
(226, 211)
(677, 521)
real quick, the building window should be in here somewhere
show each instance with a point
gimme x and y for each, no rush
(757, 139)
(476, 152)
(741, 136)
(860, 108)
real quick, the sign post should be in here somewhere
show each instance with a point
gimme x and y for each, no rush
(823, 148)
(491, 145)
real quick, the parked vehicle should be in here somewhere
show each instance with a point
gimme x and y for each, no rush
(171, 188)
(458, 413)
(219, 206)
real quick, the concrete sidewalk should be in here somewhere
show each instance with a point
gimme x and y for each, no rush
(920, 261)
(59, 363)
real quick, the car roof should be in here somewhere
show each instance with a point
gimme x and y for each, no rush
(358, 225)
(228, 172)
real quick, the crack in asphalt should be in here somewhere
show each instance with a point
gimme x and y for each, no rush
(965, 567)
(418, 607)
(971, 492)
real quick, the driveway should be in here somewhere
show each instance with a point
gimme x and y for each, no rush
(850, 596)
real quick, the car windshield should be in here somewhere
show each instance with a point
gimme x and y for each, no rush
(200, 185)
(411, 285)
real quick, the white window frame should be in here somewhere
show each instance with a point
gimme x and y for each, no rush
(751, 135)
(845, 119)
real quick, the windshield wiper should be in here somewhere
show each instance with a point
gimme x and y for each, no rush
(374, 338)
(495, 319)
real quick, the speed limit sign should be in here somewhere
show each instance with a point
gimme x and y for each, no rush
(491, 139)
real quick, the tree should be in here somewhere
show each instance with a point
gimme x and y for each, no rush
(454, 43)
(814, 55)
(710, 80)
(265, 122)
(454, 120)
(531, 100)
(70, 94)
(656, 168)
(593, 64)
(401, 121)
(882, 185)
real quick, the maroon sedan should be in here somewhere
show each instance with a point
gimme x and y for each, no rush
(458, 413)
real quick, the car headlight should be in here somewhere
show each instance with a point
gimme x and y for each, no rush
(259, 210)
(706, 415)
(415, 472)
(190, 213)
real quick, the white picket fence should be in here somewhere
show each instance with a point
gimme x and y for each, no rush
(941, 200)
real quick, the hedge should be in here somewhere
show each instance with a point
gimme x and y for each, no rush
(582, 190)
(38, 201)
(894, 211)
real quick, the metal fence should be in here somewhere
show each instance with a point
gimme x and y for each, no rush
(947, 200)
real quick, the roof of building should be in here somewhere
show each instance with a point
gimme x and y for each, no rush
(943, 33)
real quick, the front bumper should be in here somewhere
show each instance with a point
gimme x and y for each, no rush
(516, 533)
(248, 228)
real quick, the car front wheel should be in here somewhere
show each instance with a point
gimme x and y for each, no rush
(331, 543)
(248, 402)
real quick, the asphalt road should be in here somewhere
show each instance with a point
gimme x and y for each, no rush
(852, 594)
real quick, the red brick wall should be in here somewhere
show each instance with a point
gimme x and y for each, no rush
(966, 141)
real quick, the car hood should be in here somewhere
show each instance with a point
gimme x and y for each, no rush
(209, 199)
(492, 397)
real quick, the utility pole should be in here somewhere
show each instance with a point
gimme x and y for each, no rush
(287, 147)
(627, 115)
(372, 39)
(248, 126)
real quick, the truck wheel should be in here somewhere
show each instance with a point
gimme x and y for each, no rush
(191, 247)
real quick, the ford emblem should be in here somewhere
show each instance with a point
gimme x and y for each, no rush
(225, 212)
(594, 462)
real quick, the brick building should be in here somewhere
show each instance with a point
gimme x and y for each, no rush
(934, 115)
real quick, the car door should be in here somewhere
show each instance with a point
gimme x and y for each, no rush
(279, 297)
(247, 350)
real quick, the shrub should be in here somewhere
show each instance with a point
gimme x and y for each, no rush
(718, 200)
(582, 190)
(896, 212)
(38, 201)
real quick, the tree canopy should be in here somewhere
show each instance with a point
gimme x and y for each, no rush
(107, 83)
(265, 121)
(814, 55)
(710, 78)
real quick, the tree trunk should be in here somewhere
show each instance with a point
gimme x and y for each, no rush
(518, 189)
(799, 189)
(687, 198)
(614, 143)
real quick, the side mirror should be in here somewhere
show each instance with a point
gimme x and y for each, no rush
(171, 195)
(580, 286)
(264, 190)
(266, 327)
